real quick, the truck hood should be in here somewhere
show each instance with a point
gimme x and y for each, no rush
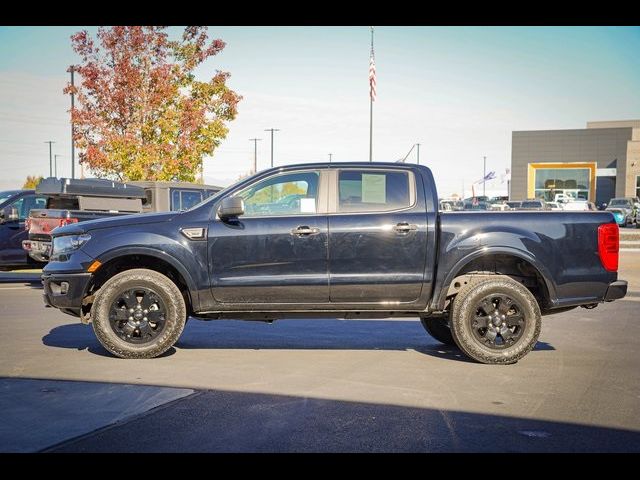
(119, 221)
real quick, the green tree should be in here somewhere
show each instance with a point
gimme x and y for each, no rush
(141, 114)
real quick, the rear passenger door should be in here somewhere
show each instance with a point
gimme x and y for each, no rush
(377, 238)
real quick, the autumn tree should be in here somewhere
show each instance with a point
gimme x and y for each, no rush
(141, 114)
(31, 182)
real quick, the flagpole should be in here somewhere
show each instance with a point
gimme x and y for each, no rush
(371, 59)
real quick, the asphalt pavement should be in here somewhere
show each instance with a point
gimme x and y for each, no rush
(319, 385)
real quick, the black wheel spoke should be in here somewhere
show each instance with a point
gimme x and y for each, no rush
(504, 305)
(515, 320)
(155, 316)
(128, 299)
(480, 321)
(120, 313)
(486, 305)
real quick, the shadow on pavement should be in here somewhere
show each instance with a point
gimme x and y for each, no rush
(225, 421)
(318, 334)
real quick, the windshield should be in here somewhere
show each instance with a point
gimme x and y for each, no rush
(6, 195)
(619, 203)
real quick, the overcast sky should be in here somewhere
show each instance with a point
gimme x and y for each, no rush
(458, 91)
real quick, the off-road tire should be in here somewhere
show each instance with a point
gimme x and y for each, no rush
(438, 328)
(465, 307)
(139, 278)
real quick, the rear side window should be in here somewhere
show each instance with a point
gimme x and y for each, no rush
(372, 191)
(184, 199)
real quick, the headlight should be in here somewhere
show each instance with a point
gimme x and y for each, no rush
(67, 244)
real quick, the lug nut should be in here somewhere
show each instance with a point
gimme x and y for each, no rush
(131, 310)
(144, 319)
(130, 319)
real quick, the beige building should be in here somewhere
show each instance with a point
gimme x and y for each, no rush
(596, 163)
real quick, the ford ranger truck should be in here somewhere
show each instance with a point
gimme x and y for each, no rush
(348, 240)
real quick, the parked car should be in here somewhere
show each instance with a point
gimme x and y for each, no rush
(554, 206)
(365, 240)
(479, 205)
(451, 205)
(534, 205)
(624, 209)
(79, 200)
(514, 205)
(580, 206)
(14, 209)
(76, 200)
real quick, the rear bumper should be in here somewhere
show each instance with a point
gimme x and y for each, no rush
(65, 291)
(616, 290)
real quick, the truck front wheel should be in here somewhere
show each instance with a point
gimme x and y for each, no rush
(495, 321)
(438, 328)
(138, 313)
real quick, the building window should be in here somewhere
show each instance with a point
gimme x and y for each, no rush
(552, 184)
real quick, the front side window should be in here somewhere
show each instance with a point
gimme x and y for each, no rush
(288, 194)
(372, 191)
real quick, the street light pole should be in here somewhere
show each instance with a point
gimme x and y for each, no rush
(255, 153)
(330, 155)
(272, 130)
(484, 174)
(73, 158)
(50, 142)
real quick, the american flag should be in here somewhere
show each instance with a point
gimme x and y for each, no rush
(372, 76)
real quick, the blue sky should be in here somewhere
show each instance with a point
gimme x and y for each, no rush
(459, 91)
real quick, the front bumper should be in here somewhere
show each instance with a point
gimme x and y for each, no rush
(65, 290)
(616, 290)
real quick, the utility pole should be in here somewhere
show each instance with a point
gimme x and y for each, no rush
(484, 174)
(73, 158)
(418, 145)
(372, 95)
(330, 155)
(50, 142)
(55, 165)
(255, 153)
(272, 130)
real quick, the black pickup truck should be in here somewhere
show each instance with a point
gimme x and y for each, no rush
(349, 240)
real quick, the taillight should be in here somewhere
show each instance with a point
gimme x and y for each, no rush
(608, 245)
(67, 221)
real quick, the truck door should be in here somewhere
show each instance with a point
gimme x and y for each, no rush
(377, 238)
(276, 253)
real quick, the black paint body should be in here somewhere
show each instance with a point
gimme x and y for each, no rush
(356, 263)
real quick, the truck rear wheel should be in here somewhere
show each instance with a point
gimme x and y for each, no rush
(496, 321)
(138, 313)
(438, 328)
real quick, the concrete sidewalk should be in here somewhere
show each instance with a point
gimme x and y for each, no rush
(36, 414)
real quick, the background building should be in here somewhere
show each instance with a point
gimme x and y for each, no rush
(597, 163)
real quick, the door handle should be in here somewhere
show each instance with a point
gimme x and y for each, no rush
(404, 227)
(303, 231)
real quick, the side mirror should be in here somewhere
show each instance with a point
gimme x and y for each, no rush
(231, 207)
